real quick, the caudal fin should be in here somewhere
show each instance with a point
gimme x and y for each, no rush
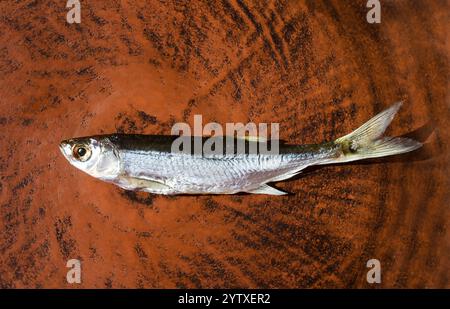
(367, 141)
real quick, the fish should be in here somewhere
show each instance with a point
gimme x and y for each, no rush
(148, 163)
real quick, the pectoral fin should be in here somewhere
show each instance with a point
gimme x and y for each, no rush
(266, 189)
(142, 184)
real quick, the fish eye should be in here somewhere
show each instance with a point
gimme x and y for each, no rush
(81, 152)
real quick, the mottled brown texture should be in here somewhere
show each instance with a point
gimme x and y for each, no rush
(316, 67)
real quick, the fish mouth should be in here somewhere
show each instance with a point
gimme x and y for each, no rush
(65, 148)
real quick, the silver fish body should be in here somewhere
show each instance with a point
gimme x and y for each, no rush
(148, 162)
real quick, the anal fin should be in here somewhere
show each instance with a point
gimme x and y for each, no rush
(266, 189)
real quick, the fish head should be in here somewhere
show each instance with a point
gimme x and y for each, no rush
(96, 156)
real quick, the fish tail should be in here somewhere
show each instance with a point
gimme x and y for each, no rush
(367, 141)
